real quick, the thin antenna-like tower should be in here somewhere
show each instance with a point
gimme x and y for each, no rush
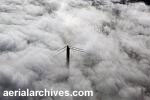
(67, 56)
(68, 48)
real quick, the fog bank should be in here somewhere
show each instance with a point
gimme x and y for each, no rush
(115, 38)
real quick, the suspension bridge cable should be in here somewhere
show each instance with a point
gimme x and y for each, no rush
(61, 48)
(76, 48)
(60, 51)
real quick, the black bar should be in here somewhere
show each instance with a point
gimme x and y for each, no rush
(68, 56)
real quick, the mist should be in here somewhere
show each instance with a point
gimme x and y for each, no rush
(115, 38)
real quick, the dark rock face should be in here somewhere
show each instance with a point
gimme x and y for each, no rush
(145, 1)
(133, 1)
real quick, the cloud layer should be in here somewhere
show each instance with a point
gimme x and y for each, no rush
(115, 37)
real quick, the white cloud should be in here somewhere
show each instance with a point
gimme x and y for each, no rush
(115, 38)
